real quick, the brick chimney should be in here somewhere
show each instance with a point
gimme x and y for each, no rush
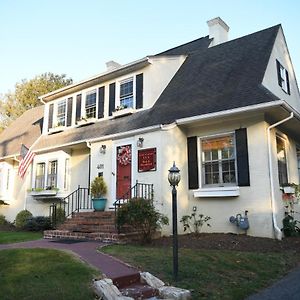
(218, 31)
(111, 65)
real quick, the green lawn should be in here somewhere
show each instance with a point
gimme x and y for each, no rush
(7, 237)
(210, 274)
(44, 274)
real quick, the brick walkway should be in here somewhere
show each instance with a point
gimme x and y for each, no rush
(107, 265)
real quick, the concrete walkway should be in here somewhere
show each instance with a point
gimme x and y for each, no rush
(110, 267)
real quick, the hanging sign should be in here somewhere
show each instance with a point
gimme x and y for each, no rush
(147, 160)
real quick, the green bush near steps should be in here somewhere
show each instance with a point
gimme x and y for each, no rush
(22, 217)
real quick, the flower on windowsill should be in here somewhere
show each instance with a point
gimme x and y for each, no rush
(121, 107)
(291, 193)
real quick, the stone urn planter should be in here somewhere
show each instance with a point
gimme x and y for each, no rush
(98, 191)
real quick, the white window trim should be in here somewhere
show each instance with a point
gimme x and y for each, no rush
(56, 114)
(283, 78)
(214, 191)
(118, 85)
(284, 139)
(83, 101)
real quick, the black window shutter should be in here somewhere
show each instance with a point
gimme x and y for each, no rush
(193, 174)
(101, 102)
(287, 82)
(278, 73)
(242, 157)
(50, 116)
(78, 107)
(69, 111)
(112, 97)
(139, 91)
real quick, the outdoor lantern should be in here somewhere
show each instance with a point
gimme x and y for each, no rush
(174, 175)
(174, 178)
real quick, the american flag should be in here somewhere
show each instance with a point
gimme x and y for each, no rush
(27, 157)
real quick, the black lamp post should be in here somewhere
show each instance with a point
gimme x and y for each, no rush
(174, 178)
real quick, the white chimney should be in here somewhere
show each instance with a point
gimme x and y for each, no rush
(218, 31)
(111, 65)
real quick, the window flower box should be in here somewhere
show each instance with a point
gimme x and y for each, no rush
(123, 112)
(43, 193)
(56, 129)
(85, 121)
(289, 190)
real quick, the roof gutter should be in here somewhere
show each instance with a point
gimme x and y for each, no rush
(278, 233)
(229, 112)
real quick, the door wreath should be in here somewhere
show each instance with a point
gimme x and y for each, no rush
(124, 155)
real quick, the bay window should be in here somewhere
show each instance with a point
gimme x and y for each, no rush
(52, 174)
(40, 176)
(218, 160)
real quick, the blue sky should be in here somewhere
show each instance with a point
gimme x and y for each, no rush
(77, 37)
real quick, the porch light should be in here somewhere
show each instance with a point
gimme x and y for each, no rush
(140, 142)
(174, 175)
(102, 149)
(174, 178)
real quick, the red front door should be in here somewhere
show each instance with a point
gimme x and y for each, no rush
(123, 170)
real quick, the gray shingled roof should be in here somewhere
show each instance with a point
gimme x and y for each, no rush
(211, 80)
(26, 129)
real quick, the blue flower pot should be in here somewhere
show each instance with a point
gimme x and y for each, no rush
(99, 204)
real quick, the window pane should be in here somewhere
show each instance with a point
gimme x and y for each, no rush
(61, 113)
(52, 174)
(219, 160)
(126, 93)
(40, 176)
(90, 104)
(281, 161)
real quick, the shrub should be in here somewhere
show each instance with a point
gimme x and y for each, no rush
(290, 227)
(3, 221)
(39, 223)
(98, 187)
(141, 214)
(194, 223)
(22, 217)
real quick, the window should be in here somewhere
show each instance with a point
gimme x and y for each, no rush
(298, 161)
(281, 161)
(61, 113)
(126, 93)
(90, 104)
(283, 77)
(218, 160)
(40, 176)
(52, 174)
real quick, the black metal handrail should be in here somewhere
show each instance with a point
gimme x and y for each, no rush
(78, 200)
(139, 190)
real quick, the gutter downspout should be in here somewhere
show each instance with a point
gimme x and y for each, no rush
(89, 145)
(278, 233)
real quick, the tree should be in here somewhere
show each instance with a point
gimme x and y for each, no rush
(26, 94)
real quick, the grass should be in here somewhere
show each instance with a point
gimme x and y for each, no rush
(210, 274)
(7, 237)
(44, 274)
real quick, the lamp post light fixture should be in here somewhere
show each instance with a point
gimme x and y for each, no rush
(174, 178)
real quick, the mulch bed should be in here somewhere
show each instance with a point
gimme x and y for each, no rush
(229, 241)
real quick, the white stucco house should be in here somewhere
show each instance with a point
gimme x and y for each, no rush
(226, 111)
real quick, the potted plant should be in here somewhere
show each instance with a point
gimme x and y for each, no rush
(98, 191)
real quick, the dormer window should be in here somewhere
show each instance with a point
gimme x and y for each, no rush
(126, 93)
(283, 78)
(61, 113)
(90, 104)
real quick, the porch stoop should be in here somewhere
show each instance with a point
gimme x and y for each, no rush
(98, 226)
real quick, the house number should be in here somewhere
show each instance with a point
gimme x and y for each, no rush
(100, 166)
